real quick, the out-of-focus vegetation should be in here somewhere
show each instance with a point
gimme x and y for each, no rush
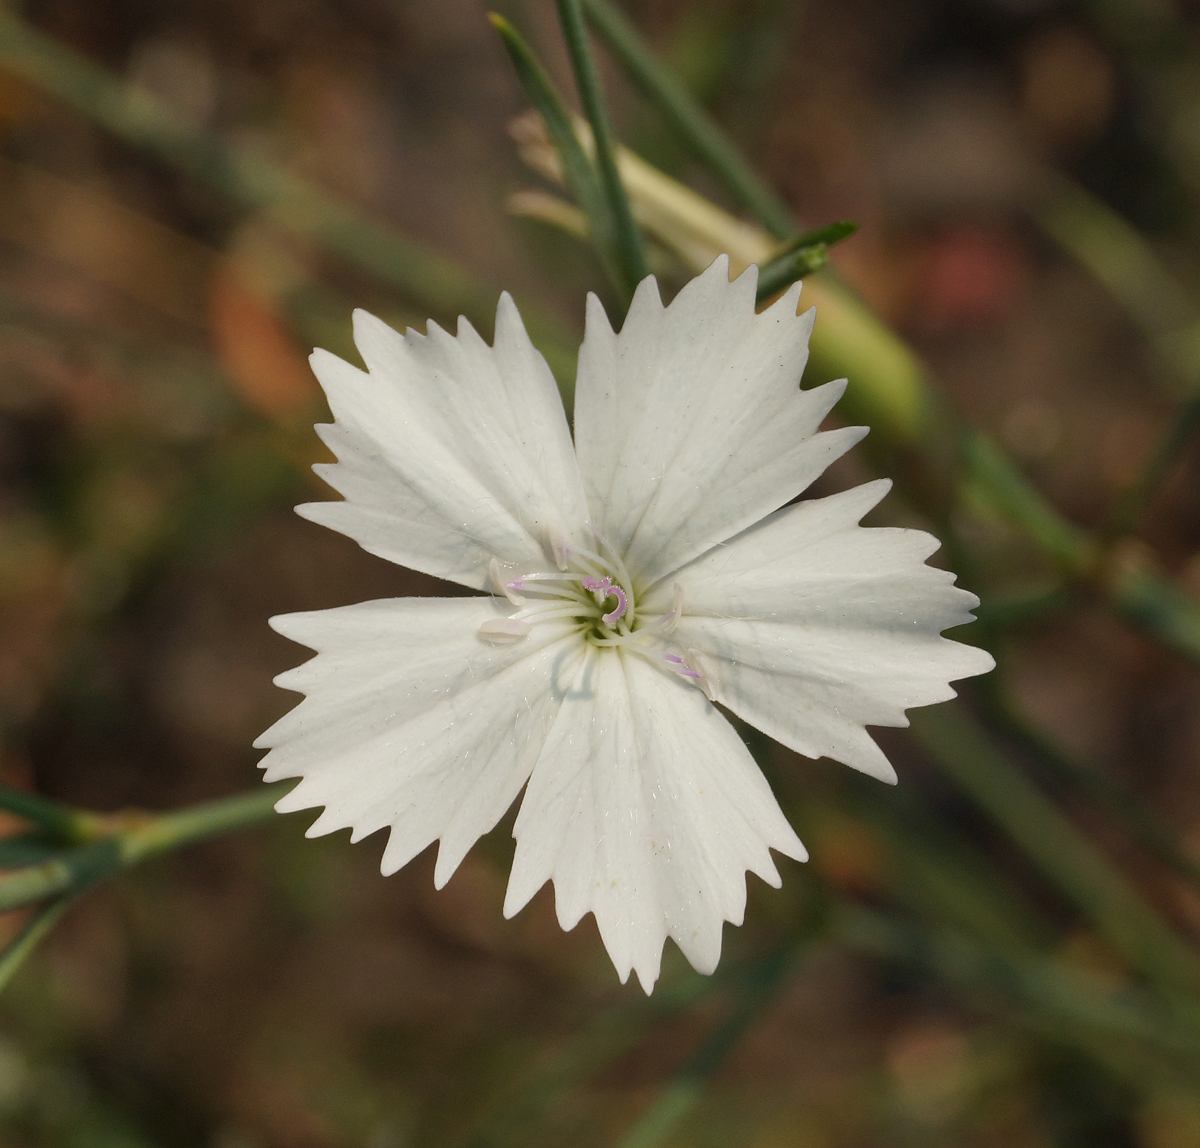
(1002, 951)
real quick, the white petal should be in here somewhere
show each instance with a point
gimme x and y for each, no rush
(413, 721)
(690, 425)
(450, 452)
(811, 627)
(645, 809)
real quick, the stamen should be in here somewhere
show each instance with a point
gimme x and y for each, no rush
(503, 630)
(681, 668)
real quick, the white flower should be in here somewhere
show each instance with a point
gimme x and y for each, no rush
(635, 578)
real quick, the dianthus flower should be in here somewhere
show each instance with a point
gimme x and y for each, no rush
(634, 578)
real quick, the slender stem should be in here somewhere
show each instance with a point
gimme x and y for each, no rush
(1106, 792)
(576, 167)
(1056, 846)
(800, 257)
(1133, 502)
(132, 838)
(1125, 262)
(688, 118)
(1057, 1000)
(199, 822)
(254, 183)
(627, 236)
(785, 269)
(31, 936)
(76, 869)
(686, 1089)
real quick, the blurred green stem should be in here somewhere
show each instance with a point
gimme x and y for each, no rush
(1133, 503)
(1108, 794)
(577, 169)
(131, 838)
(686, 116)
(1062, 852)
(1054, 999)
(627, 238)
(31, 936)
(1127, 265)
(889, 389)
(1125, 262)
(758, 987)
(254, 183)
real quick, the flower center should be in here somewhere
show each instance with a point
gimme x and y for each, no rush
(592, 589)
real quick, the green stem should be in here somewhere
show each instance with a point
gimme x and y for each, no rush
(133, 840)
(253, 183)
(1057, 847)
(800, 257)
(577, 168)
(1052, 998)
(1010, 492)
(688, 119)
(626, 235)
(198, 822)
(1125, 263)
(1114, 798)
(686, 1089)
(30, 937)
(1134, 501)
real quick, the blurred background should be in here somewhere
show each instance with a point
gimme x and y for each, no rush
(1026, 174)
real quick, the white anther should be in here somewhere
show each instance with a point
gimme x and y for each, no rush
(503, 630)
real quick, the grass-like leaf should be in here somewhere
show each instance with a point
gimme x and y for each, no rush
(628, 248)
(802, 256)
(577, 168)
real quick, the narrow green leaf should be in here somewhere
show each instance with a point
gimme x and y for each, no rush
(1063, 852)
(830, 234)
(1161, 461)
(687, 117)
(1052, 997)
(138, 838)
(684, 1091)
(73, 870)
(252, 183)
(578, 169)
(627, 238)
(801, 256)
(60, 821)
(27, 849)
(13, 957)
